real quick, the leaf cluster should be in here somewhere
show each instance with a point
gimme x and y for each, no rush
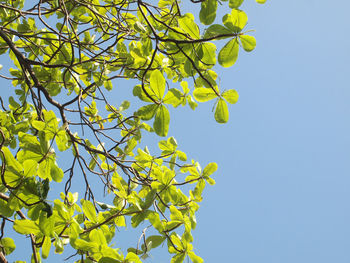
(67, 57)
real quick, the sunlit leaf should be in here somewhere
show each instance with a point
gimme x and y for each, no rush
(45, 250)
(248, 42)
(235, 21)
(157, 84)
(132, 258)
(231, 96)
(207, 13)
(221, 112)
(161, 121)
(187, 23)
(195, 258)
(8, 245)
(204, 94)
(210, 169)
(179, 258)
(147, 112)
(217, 30)
(26, 226)
(89, 210)
(229, 53)
(235, 3)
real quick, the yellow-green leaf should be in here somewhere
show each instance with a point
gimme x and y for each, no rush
(11, 161)
(195, 258)
(147, 112)
(179, 258)
(217, 30)
(84, 245)
(157, 84)
(187, 24)
(8, 245)
(210, 169)
(207, 13)
(30, 167)
(56, 172)
(221, 112)
(235, 3)
(231, 96)
(89, 210)
(132, 258)
(248, 42)
(161, 121)
(235, 21)
(207, 53)
(204, 94)
(26, 227)
(45, 249)
(229, 53)
(175, 215)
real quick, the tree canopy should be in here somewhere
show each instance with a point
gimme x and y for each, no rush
(67, 56)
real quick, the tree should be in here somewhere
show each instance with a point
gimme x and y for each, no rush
(67, 56)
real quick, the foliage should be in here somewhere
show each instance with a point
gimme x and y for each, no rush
(67, 56)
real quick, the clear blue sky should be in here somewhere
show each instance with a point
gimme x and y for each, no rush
(282, 192)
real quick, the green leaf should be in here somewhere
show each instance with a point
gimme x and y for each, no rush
(11, 161)
(26, 227)
(235, 3)
(44, 170)
(173, 97)
(5, 209)
(207, 54)
(62, 140)
(182, 156)
(231, 96)
(157, 83)
(217, 30)
(108, 260)
(132, 258)
(207, 13)
(8, 245)
(30, 167)
(108, 85)
(51, 120)
(137, 91)
(179, 258)
(261, 1)
(229, 53)
(248, 42)
(195, 258)
(156, 240)
(235, 21)
(97, 236)
(204, 94)
(221, 112)
(39, 125)
(191, 102)
(210, 169)
(89, 210)
(147, 112)
(161, 121)
(46, 224)
(56, 172)
(187, 24)
(45, 249)
(155, 221)
(175, 215)
(84, 245)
